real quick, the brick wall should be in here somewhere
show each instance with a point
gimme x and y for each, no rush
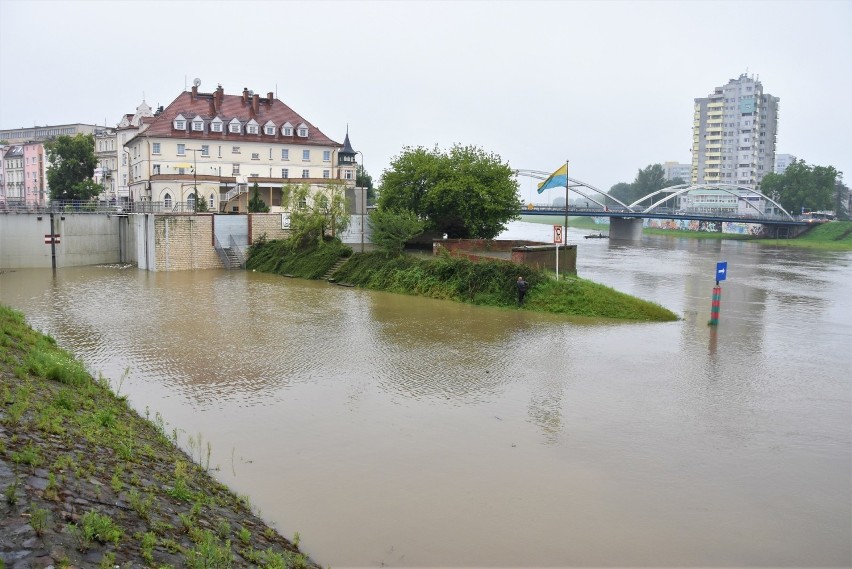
(185, 242)
(527, 253)
(266, 223)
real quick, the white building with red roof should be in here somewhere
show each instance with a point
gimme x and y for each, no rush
(224, 144)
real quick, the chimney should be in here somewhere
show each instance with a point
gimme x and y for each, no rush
(255, 103)
(245, 95)
(216, 102)
(270, 96)
(194, 92)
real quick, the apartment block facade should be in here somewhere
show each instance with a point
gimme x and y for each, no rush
(224, 144)
(734, 134)
(782, 161)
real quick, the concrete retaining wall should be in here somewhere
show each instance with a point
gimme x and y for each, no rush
(84, 239)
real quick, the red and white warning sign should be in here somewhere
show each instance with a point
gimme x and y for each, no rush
(557, 234)
(48, 239)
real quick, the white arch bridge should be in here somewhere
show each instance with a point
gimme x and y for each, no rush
(626, 219)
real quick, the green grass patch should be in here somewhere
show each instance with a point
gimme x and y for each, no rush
(830, 236)
(282, 258)
(492, 283)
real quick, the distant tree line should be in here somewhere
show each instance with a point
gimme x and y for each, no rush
(648, 180)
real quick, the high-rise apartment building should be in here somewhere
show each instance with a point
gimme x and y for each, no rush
(782, 161)
(734, 134)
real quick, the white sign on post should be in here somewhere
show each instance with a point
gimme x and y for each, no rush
(557, 238)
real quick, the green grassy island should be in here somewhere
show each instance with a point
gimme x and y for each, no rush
(88, 482)
(486, 283)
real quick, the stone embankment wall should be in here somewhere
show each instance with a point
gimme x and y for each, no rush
(185, 242)
(268, 224)
(154, 242)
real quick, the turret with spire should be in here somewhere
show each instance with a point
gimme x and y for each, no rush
(346, 155)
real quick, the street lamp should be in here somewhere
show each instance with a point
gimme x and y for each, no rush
(363, 198)
(195, 152)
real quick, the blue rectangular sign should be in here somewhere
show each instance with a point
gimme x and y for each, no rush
(721, 270)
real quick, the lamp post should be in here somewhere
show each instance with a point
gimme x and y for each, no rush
(363, 198)
(195, 152)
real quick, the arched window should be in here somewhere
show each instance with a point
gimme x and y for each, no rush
(190, 202)
(167, 201)
(211, 205)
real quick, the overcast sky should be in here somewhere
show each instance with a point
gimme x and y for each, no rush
(607, 85)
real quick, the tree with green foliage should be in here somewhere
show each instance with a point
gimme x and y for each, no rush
(392, 228)
(648, 180)
(465, 192)
(802, 187)
(202, 206)
(256, 204)
(365, 180)
(314, 214)
(72, 162)
(841, 199)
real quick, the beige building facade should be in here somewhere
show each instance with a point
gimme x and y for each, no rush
(220, 145)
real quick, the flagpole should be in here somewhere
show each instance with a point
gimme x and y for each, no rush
(566, 202)
(564, 231)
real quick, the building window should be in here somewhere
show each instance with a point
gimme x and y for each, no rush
(198, 125)
(307, 174)
(205, 150)
(270, 130)
(216, 126)
(287, 129)
(211, 201)
(285, 173)
(285, 154)
(348, 175)
(181, 171)
(234, 127)
(306, 155)
(303, 131)
(167, 201)
(326, 156)
(236, 150)
(181, 125)
(256, 156)
(157, 170)
(252, 129)
(235, 170)
(156, 150)
(327, 174)
(181, 150)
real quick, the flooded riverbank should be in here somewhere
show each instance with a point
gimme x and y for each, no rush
(414, 432)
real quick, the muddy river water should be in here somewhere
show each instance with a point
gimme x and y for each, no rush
(391, 430)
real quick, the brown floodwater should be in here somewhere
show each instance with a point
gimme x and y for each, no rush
(401, 431)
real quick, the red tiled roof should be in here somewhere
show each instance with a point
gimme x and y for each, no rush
(232, 106)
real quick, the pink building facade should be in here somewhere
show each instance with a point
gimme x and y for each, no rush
(35, 174)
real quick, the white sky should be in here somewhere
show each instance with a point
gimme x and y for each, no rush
(607, 85)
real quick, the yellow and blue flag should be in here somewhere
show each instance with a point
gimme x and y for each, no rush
(558, 179)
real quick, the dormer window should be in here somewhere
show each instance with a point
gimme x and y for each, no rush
(252, 127)
(179, 122)
(197, 125)
(303, 130)
(216, 125)
(269, 128)
(235, 126)
(287, 129)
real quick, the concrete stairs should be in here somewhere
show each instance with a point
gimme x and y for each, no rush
(334, 268)
(233, 261)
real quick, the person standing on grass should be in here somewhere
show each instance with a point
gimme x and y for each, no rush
(522, 290)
